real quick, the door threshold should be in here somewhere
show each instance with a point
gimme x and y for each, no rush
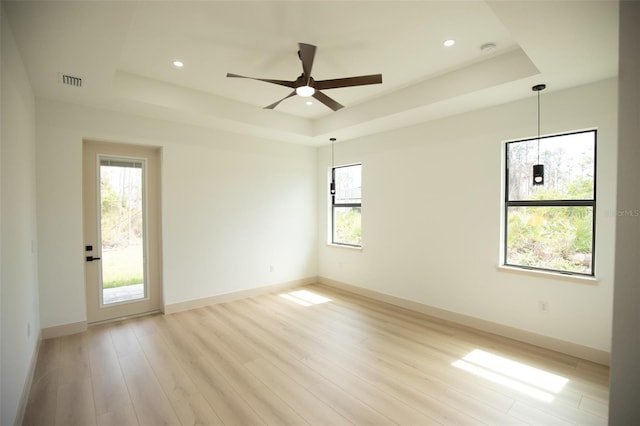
(126, 317)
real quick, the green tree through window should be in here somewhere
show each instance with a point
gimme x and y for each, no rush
(551, 227)
(346, 206)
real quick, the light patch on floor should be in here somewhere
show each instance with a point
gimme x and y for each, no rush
(305, 297)
(532, 381)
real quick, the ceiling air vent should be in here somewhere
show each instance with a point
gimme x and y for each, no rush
(70, 80)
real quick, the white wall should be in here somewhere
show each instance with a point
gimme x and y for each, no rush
(232, 207)
(431, 217)
(19, 285)
(625, 354)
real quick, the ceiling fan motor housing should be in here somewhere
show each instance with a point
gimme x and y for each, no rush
(306, 86)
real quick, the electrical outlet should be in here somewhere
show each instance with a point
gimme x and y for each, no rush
(28, 329)
(543, 306)
(271, 268)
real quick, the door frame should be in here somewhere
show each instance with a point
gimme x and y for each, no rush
(153, 300)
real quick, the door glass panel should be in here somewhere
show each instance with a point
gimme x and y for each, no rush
(122, 230)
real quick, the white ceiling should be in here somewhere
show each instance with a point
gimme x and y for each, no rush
(123, 50)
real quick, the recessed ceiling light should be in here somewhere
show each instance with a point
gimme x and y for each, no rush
(309, 103)
(178, 64)
(449, 42)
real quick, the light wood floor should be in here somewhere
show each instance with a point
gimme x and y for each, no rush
(270, 360)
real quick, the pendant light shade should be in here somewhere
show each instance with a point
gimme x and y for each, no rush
(538, 174)
(538, 169)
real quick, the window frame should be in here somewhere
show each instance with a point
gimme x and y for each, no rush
(551, 203)
(350, 205)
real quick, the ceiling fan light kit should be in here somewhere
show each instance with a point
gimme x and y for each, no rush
(305, 91)
(306, 86)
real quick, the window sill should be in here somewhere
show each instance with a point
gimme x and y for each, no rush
(342, 246)
(550, 275)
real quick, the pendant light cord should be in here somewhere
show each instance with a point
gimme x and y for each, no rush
(333, 164)
(538, 126)
(538, 88)
(332, 157)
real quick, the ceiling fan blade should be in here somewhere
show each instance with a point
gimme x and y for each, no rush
(327, 101)
(307, 53)
(349, 81)
(275, 104)
(285, 83)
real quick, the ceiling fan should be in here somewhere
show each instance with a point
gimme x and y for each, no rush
(306, 86)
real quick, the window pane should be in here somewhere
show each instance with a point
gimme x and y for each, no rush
(121, 230)
(556, 238)
(348, 184)
(347, 225)
(568, 167)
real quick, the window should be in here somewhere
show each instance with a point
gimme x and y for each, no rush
(346, 206)
(552, 226)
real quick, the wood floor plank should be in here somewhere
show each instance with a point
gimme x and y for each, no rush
(269, 360)
(302, 401)
(225, 363)
(48, 360)
(144, 326)
(400, 410)
(73, 359)
(234, 342)
(227, 404)
(312, 328)
(151, 405)
(269, 328)
(272, 342)
(596, 407)
(537, 416)
(419, 394)
(195, 410)
(178, 338)
(123, 415)
(272, 409)
(168, 370)
(43, 397)
(282, 359)
(124, 339)
(109, 388)
(347, 405)
(75, 405)
(476, 407)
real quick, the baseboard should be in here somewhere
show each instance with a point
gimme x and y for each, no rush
(64, 329)
(242, 294)
(26, 389)
(569, 348)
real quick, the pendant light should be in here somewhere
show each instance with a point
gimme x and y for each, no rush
(332, 186)
(538, 169)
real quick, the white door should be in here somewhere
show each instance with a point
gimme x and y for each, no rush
(121, 230)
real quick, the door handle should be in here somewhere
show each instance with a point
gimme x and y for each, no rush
(91, 258)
